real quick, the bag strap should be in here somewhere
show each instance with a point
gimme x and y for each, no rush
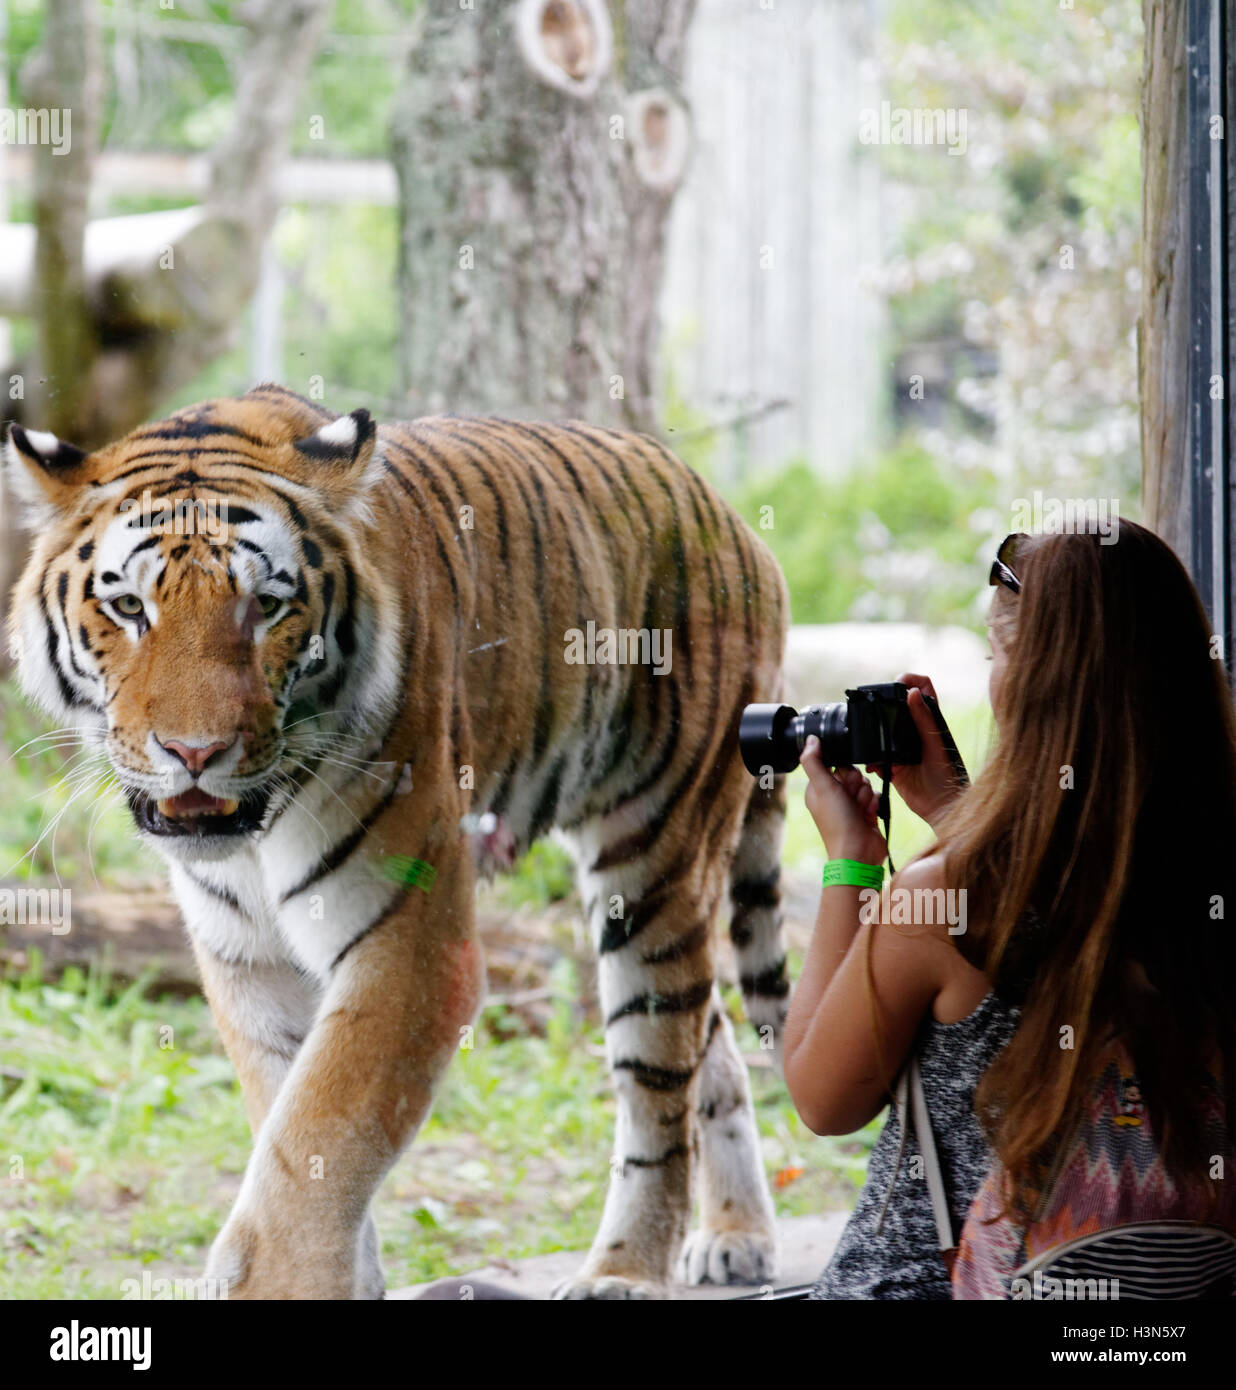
(911, 1102)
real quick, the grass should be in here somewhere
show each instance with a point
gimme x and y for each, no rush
(123, 1140)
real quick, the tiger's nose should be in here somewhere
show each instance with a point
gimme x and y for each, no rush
(194, 756)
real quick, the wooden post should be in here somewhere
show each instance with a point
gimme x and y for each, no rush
(1185, 334)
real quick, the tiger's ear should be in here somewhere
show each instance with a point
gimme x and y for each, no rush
(45, 473)
(345, 445)
(341, 458)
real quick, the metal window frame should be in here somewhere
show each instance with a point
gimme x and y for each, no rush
(1211, 192)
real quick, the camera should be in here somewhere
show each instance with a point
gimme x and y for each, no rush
(872, 725)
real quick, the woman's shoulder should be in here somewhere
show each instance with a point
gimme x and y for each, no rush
(940, 914)
(920, 895)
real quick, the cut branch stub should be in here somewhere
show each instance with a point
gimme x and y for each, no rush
(568, 44)
(659, 136)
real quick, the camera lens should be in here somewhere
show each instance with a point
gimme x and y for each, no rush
(830, 724)
(773, 736)
(765, 739)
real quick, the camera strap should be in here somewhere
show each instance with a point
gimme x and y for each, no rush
(885, 805)
(885, 811)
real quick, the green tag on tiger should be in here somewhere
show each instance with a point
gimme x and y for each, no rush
(415, 873)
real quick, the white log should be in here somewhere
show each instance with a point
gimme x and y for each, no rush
(129, 244)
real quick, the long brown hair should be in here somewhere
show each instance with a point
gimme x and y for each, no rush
(1098, 847)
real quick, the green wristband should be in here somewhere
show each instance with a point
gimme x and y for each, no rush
(853, 873)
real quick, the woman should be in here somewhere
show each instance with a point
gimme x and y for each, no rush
(1094, 850)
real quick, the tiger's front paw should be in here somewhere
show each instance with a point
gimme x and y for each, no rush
(728, 1257)
(609, 1287)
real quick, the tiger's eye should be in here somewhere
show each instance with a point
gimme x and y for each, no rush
(269, 604)
(128, 604)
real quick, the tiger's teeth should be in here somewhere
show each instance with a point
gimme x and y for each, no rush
(228, 807)
(165, 806)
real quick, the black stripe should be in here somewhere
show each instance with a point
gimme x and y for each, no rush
(372, 927)
(239, 516)
(678, 1151)
(623, 851)
(62, 590)
(341, 852)
(543, 720)
(653, 1004)
(654, 1078)
(53, 653)
(224, 895)
(196, 427)
(547, 802)
(678, 558)
(412, 491)
(139, 547)
(242, 544)
(768, 984)
(747, 600)
(472, 453)
(686, 944)
(594, 512)
(328, 595)
(345, 627)
(618, 933)
(757, 892)
(620, 466)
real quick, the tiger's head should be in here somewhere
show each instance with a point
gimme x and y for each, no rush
(201, 602)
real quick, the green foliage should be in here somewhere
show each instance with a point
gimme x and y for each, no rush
(546, 874)
(61, 815)
(898, 540)
(1014, 269)
(171, 73)
(118, 1113)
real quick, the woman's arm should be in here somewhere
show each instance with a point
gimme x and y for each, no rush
(838, 1077)
(837, 1072)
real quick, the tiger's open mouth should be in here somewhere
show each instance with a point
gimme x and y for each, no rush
(196, 812)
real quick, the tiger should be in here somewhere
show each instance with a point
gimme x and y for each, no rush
(342, 673)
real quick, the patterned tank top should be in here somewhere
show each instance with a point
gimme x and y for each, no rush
(902, 1260)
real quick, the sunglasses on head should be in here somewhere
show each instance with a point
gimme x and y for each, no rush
(1001, 568)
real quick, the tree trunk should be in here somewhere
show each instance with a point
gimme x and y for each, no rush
(1165, 329)
(109, 354)
(536, 175)
(64, 74)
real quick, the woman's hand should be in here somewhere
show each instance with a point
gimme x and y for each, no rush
(844, 807)
(928, 787)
